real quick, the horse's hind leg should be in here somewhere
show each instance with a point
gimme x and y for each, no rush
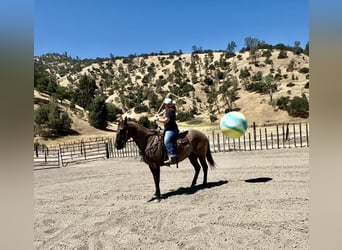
(205, 169)
(197, 167)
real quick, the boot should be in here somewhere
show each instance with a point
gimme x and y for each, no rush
(173, 160)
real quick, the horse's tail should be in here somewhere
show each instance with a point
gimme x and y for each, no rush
(210, 157)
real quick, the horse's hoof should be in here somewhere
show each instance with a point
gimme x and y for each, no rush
(154, 198)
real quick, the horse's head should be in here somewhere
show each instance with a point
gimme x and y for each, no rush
(122, 134)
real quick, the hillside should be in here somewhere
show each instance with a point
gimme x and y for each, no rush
(196, 82)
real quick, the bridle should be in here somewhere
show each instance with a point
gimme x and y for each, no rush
(122, 137)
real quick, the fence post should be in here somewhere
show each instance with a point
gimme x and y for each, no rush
(244, 142)
(58, 152)
(287, 132)
(213, 135)
(61, 155)
(294, 135)
(283, 130)
(36, 149)
(300, 134)
(307, 136)
(249, 139)
(107, 150)
(254, 133)
(84, 150)
(278, 136)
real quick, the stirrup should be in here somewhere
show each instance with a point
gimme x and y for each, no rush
(173, 160)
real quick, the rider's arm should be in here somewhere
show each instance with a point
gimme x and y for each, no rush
(163, 119)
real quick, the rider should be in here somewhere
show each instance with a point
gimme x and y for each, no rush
(170, 129)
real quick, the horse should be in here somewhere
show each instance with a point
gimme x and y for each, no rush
(195, 146)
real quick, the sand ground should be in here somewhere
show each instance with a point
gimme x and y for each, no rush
(254, 200)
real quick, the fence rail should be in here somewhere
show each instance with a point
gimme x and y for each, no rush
(46, 157)
(256, 138)
(83, 151)
(278, 136)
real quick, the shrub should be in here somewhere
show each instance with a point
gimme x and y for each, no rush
(282, 54)
(140, 108)
(143, 120)
(299, 107)
(282, 102)
(208, 81)
(304, 70)
(184, 116)
(244, 73)
(48, 118)
(112, 112)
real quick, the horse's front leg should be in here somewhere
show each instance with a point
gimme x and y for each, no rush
(155, 169)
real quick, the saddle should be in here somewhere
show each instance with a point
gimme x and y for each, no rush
(181, 138)
(179, 143)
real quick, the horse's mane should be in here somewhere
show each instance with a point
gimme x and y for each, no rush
(140, 127)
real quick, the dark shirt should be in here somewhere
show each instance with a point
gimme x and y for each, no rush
(171, 125)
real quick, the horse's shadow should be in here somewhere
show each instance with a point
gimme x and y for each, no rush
(191, 190)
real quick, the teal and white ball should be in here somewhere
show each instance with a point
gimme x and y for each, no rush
(233, 124)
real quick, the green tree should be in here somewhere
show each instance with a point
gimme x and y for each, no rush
(229, 92)
(62, 93)
(98, 113)
(85, 91)
(231, 47)
(58, 121)
(41, 116)
(252, 45)
(306, 49)
(50, 119)
(143, 120)
(283, 102)
(296, 48)
(282, 54)
(299, 107)
(271, 86)
(112, 112)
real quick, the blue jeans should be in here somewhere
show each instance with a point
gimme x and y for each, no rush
(169, 136)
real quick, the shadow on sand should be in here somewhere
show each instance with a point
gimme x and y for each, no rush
(258, 180)
(192, 190)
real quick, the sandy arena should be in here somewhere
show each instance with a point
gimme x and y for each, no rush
(254, 200)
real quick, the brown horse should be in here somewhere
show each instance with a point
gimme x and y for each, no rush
(194, 146)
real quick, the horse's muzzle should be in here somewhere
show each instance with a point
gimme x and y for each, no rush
(120, 145)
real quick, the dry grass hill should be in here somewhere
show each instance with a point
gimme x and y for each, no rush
(194, 81)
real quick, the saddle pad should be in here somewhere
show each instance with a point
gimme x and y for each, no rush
(183, 140)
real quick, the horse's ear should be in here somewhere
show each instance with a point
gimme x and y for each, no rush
(125, 119)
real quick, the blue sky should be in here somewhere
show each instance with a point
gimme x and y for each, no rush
(98, 28)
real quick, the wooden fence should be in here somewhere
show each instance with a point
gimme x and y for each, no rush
(256, 138)
(260, 138)
(44, 156)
